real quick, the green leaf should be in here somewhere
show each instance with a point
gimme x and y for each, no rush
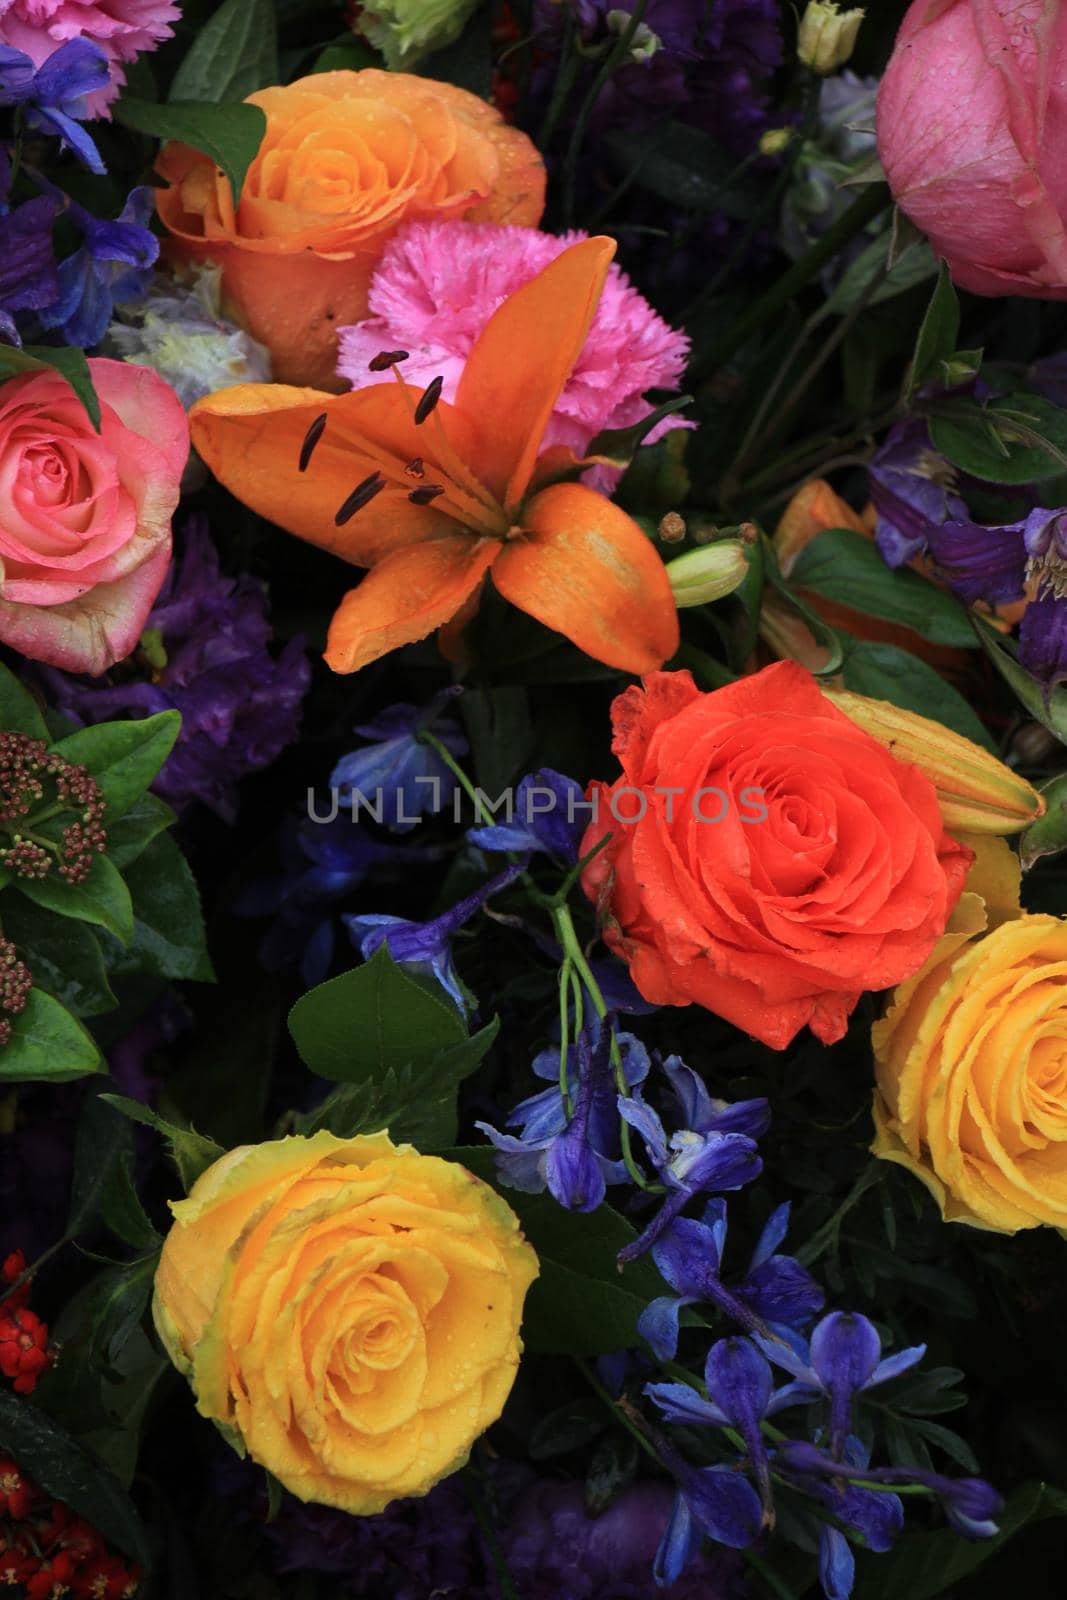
(67, 1472)
(233, 54)
(121, 1209)
(1051, 710)
(47, 1045)
(102, 1140)
(925, 1565)
(230, 134)
(134, 831)
(1048, 835)
(886, 672)
(192, 1153)
(939, 332)
(67, 360)
(123, 757)
(845, 566)
(618, 446)
(913, 264)
(19, 712)
(168, 927)
(119, 1300)
(372, 1019)
(581, 1304)
(102, 898)
(1021, 438)
(63, 955)
(346, 54)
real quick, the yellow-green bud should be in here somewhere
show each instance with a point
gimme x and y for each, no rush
(775, 140)
(406, 30)
(710, 573)
(827, 36)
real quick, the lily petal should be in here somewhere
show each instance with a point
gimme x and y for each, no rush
(407, 595)
(251, 437)
(584, 568)
(521, 360)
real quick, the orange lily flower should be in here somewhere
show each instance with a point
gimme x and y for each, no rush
(433, 498)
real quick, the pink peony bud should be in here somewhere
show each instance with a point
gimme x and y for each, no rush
(972, 118)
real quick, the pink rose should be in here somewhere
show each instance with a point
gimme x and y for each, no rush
(85, 516)
(972, 124)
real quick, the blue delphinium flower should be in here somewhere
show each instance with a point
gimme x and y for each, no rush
(971, 1505)
(775, 1295)
(53, 95)
(397, 776)
(426, 946)
(28, 278)
(112, 267)
(720, 1500)
(877, 1517)
(714, 1150)
(548, 816)
(844, 1359)
(574, 1158)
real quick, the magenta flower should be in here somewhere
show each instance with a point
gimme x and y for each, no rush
(123, 29)
(436, 287)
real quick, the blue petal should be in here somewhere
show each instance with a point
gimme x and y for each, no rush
(895, 1364)
(725, 1505)
(680, 1403)
(845, 1350)
(738, 1379)
(687, 1256)
(837, 1564)
(633, 1110)
(658, 1324)
(774, 1231)
(679, 1540)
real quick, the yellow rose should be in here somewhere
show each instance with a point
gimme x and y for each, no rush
(347, 1310)
(971, 1063)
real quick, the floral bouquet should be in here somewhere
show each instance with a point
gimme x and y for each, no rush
(533, 800)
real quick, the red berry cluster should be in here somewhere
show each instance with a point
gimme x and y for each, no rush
(24, 1352)
(26, 767)
(15, 985)
(48, 1553)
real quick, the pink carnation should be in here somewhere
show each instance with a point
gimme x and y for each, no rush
(122, 28)
(436, 287)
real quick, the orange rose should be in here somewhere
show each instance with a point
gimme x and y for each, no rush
(346, 158)
(769, 860)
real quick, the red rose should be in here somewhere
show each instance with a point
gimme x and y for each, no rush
(828, 873)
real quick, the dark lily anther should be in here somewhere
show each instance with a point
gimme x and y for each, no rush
(431, 395)
(423, 496)
(360, 496)
(386, 359)
(311, 439)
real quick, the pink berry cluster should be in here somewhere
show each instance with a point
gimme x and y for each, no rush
(37, 785)
(15, 984)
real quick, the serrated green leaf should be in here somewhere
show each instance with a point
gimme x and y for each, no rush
(102, 898)
(123, 757)
(1019, 438)
(121, 1209)
(67, 1472)
(192, 1152)
(230, 134)
(19, 711)
(233, 54)
(844, 566)
(168, 938)
(47, 1045)
(63, 955)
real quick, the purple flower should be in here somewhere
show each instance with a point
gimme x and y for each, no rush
(876, 1516)
(983, 563)
(775, 1295)
(28, 278)
(970, 1504)
(1043, 640)
(555, 1550)
(399, 776)
(714, 1150)
(112, 267)
(426, 946)
(547, 817)
(575, 1158)
(207, 638)
(914, 491)
(844, 1359)
(54, 93)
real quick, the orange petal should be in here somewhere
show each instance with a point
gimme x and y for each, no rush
(521, 360)
(251, 436)
(583, 567)
(405, 597)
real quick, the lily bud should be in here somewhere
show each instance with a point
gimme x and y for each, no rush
(827, 36)
(710, 573)
(976, 792)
